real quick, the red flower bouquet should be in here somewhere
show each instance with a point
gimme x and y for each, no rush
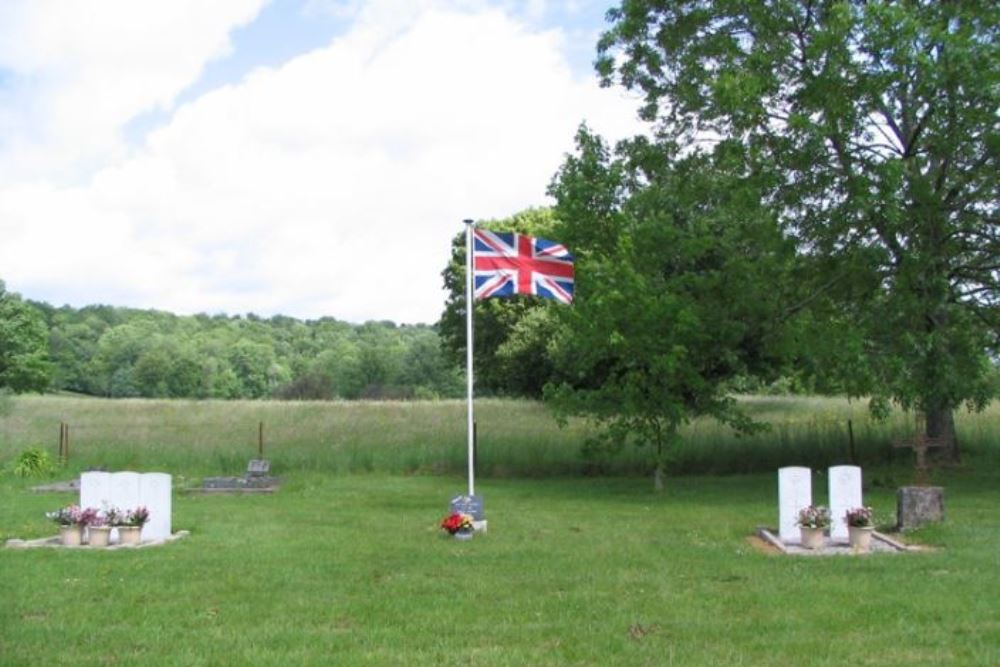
(457, 522)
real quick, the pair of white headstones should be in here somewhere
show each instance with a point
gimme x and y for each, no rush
(128, 490)
(795, 493)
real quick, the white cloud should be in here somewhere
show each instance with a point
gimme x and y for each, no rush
(331, 185)
(82, 70)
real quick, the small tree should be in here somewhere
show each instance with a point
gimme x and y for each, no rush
(681, 281)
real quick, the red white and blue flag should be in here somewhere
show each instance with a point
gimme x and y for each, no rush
(507, 264)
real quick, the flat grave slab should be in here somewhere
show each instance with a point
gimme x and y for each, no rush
(881, 543)
(56, 543)
(68, 486)
(254, 480)
(237, 485)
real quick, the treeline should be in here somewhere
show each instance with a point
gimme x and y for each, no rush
(122, 352)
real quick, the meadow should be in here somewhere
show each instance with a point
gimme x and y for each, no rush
(516, 438)
(345, 564)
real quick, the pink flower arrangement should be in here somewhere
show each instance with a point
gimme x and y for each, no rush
(859, 517)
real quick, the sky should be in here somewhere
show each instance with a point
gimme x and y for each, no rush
(308, 158)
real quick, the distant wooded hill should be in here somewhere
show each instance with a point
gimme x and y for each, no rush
(123, 352)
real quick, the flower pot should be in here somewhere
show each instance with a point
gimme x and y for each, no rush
(129, 534)
(71, 536)
(98, 536)
(812, 538)
(463, 534)
(860, 537)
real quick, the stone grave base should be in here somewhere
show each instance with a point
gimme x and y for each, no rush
(70, 486)
(881, 543)
(56, 543)
(248, 484)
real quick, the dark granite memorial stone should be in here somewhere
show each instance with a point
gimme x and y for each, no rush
(468, 505)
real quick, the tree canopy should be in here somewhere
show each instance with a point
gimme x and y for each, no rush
(23, 347)
(683, 274)
(875, 127)
(121, 352)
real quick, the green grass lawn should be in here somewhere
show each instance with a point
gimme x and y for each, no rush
(345, 565)
(352, 570)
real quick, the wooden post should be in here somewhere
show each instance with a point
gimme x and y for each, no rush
(63, 442)
(260, 440)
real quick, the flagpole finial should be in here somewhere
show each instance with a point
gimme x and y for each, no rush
(469, 221)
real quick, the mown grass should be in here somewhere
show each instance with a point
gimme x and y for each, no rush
(352, 570)
(345, 564)
(516, 438)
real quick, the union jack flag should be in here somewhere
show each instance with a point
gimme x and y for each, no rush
(506, 264)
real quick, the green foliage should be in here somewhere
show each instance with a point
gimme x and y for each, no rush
(23, 355)
(34, 462)
(875, 127)
(121, 352)
(682, 279)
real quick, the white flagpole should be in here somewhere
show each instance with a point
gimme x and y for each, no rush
(469, 303)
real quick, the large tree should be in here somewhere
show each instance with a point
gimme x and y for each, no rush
(24, 362)
(879, 123)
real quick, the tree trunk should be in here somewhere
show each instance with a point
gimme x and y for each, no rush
(658, 477)
(941, 426)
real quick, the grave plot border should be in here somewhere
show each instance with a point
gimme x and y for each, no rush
(881, 543)
(55, 543)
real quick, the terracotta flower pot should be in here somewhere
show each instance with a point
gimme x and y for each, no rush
(129, 534)
(98, 536)
(860, 537)
(71, 536)
(812, 538)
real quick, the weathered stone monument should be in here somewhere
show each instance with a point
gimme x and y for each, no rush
(918, 505)
(922, 503)
(845, 493)
(794, 493)
(128, 490)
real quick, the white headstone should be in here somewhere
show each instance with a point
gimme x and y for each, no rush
(95, 489)
(845, 494)
(154, 493)
(128, 490)
(124, 490)
(794, 493)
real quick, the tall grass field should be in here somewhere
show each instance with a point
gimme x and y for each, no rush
(345, 563)
(514, 438)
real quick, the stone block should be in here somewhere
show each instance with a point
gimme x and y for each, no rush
(919, 505)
